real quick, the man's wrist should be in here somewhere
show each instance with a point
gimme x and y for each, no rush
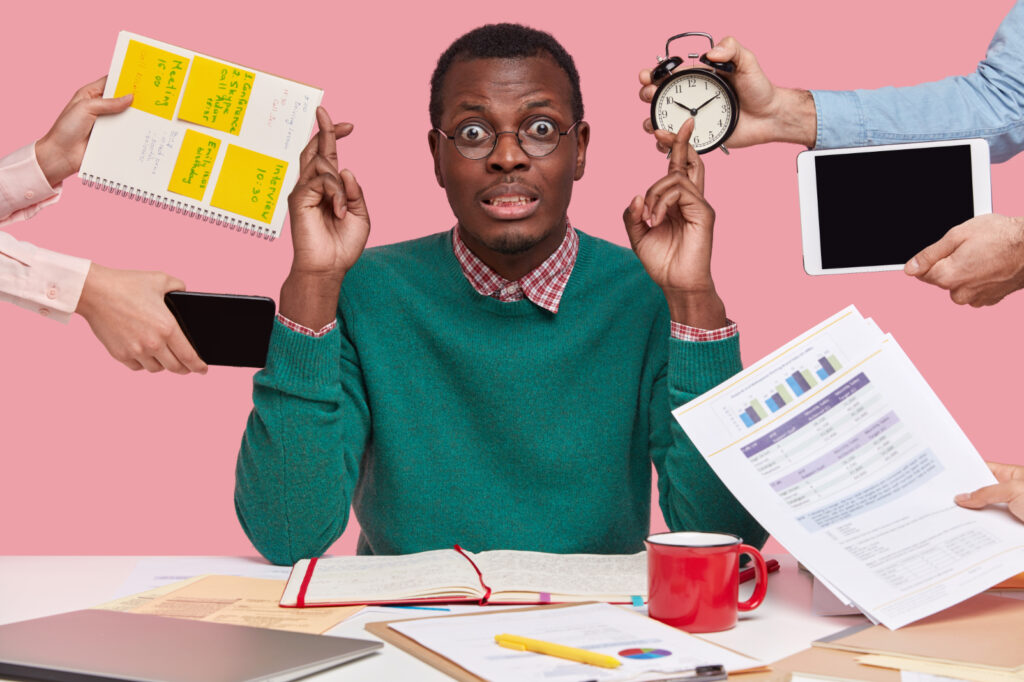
(796, 119)
(310, 300)
(701, 309)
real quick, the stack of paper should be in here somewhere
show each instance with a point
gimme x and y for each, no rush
(977, 640)
(838, 446)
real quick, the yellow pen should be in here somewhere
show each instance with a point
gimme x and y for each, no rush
(537, 646)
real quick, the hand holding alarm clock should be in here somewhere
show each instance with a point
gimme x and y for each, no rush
(696, 92)
(763, 111)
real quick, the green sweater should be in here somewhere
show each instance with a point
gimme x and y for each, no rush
(442, 416)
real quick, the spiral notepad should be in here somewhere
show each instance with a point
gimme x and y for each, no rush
(204, 137)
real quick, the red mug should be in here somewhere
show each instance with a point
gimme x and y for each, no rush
(693, 580)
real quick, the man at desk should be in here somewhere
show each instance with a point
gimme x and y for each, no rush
(503, 384)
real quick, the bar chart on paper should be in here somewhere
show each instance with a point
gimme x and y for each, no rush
(783, 387)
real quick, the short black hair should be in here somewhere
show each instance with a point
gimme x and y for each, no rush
(503, 41)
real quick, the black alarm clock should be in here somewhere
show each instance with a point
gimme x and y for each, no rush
(696, 92)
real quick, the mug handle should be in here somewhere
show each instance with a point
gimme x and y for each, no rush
(760, 575)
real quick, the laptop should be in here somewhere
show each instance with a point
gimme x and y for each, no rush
(112, 645)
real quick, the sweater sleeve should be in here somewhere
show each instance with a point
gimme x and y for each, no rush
(690, 493)
(300, 454)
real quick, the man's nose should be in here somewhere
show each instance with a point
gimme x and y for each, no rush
(507, 154)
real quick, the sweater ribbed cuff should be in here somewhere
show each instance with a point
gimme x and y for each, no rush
(696, 367)
(302, 364)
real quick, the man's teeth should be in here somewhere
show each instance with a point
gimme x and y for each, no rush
(509, 201)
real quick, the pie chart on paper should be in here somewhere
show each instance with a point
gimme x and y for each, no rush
(644, 653)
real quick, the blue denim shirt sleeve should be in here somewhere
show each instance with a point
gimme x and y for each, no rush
(988, 104)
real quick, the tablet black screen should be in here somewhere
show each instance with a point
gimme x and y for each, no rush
(882, 207)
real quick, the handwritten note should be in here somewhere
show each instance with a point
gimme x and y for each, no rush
(217, 95)
(249, 183)
(154, 76)
(195, 162)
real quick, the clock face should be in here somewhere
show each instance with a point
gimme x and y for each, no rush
(699, 94)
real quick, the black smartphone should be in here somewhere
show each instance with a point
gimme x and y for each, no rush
(225, 329)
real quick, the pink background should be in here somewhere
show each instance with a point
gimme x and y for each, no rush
(100, 460)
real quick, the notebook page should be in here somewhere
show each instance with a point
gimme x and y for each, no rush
(203, 136)
(594, 576)
(363, 579)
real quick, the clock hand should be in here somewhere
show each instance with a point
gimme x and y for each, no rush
(705, 104)
(693, 112)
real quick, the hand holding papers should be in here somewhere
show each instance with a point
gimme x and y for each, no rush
(841, 450)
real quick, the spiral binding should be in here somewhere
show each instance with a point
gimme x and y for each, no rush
(177, 206)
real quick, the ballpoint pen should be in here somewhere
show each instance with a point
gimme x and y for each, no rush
(570, 653)
(702, 673)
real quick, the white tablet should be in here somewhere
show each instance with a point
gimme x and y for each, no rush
(865, 209)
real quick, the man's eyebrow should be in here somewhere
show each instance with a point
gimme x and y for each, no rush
(539, 104)
(480, 108)
(466, 106)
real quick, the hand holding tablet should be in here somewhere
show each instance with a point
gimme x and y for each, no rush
(868, 209)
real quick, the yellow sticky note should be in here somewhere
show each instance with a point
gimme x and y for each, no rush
(216, 95)
(193, 165)
(249, 183)
(154, 76)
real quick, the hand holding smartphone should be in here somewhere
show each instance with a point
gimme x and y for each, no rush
(225, 329)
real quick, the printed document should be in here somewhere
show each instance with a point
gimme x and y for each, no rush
(841, 450)
(645, 648)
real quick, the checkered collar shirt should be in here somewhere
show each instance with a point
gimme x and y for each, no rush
(544, 285)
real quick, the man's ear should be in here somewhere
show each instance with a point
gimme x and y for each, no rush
(434, 142)
(582, 140)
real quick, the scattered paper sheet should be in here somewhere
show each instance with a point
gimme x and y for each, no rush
(910, 676)
(233, 600)
(153, 572)
(840, 449)
(140, 599)
(916, 670)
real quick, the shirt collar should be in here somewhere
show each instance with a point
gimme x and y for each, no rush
(544, 285)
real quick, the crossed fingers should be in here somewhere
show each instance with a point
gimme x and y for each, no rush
(318, 164)
(684, 182)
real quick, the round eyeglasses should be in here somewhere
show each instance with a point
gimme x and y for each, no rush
(538, 136)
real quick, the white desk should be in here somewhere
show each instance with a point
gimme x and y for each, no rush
(31, 587)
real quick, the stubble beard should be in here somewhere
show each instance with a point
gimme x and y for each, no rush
(512, 243)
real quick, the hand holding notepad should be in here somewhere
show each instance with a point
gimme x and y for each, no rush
(59, 152)
(205, 137)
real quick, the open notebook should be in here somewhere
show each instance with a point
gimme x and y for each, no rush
(204, 137)
(454, 575)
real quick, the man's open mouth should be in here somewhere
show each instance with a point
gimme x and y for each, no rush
(510, 201)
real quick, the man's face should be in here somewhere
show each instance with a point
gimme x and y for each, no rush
(509, 202)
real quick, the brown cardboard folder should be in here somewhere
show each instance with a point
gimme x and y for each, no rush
(984, 632)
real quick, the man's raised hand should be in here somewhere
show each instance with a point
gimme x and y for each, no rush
(670, 229)
(330, 225)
